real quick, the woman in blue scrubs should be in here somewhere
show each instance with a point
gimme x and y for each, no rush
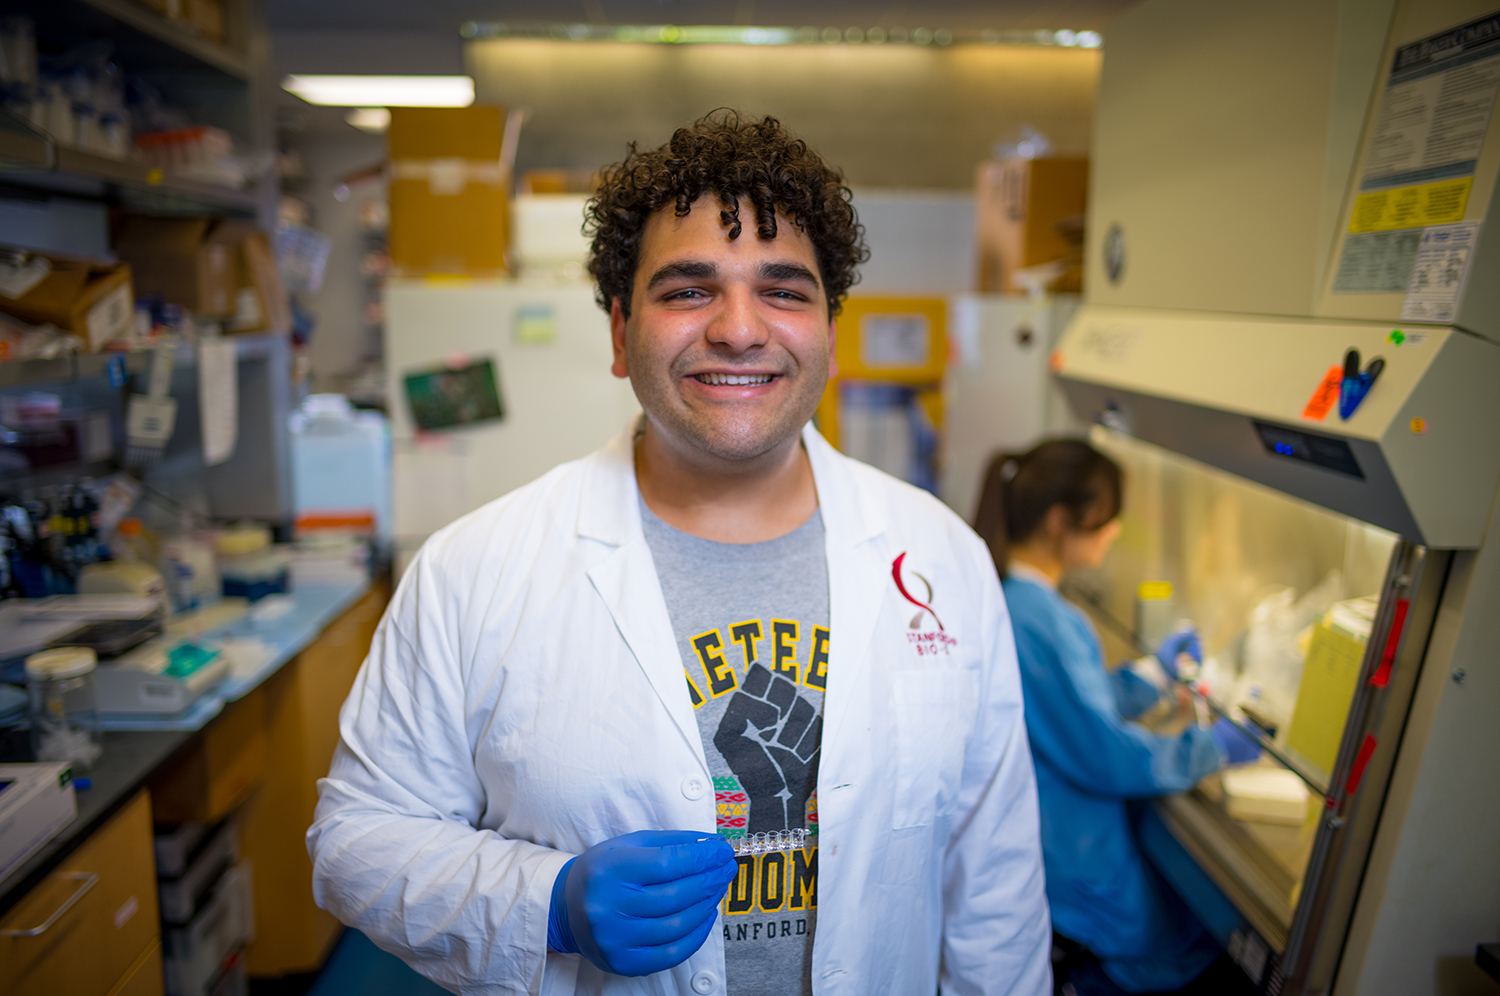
(1123, 929)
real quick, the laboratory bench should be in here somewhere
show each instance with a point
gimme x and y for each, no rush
(253, 747)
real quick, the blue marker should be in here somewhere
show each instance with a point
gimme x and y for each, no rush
(1356, 383)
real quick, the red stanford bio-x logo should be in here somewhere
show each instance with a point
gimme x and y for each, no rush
(926, 607)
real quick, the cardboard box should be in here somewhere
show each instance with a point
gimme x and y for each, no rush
(1020, 205)
(559, 181)
(263, 305)
(92, 299)
(449, 192)
(474, 132)
(194, 262)
(207, 16)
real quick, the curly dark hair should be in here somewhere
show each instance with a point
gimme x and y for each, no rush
(732, 159)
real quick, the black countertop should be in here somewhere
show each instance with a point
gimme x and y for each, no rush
(127, 762)
(1487, 957)
(131, 756)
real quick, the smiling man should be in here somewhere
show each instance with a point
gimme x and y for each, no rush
(601, 708)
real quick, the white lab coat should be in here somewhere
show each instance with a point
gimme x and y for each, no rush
(524, 699)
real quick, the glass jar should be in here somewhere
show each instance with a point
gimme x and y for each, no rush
(64, 705)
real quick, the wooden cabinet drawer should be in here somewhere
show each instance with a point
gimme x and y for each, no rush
(216, 771)
(144, 977)
(302, 706)
(93, 916)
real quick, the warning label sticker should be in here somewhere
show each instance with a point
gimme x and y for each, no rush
(1437, 278)
(1377, 263)
(1411, 207)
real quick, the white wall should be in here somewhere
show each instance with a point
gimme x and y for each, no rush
(341, 339)
(921, 241)
(998, 396)
(903, 116)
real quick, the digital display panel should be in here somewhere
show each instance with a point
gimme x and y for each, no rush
(1322, 451)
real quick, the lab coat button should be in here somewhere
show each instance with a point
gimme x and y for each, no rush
(693, 788)
(704, 983)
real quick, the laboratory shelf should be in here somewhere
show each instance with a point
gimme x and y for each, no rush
(82, 366)
(22, 146)
(127, 183)
(23, 373)
(214, 81)
(141, 36)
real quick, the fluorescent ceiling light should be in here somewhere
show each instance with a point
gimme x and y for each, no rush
(383, 91)
(374, 120)
(709, 34)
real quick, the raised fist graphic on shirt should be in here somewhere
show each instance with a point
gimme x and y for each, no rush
(769, 737)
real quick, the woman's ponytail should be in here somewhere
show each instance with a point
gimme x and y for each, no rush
(989, 519)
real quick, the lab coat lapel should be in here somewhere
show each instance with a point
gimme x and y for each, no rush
(626, 580)
(852, 519)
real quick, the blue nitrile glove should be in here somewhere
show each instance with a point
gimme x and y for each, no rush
(642, 902)
(1182, 641)
(1232, 742)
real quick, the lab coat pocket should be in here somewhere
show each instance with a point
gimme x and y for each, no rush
(934, 713)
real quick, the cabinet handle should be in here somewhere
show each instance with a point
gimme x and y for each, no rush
(86, 880)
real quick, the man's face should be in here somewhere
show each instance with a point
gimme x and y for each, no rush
(728, 344)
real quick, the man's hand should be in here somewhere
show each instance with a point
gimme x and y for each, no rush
(642, 902)
(769, 737)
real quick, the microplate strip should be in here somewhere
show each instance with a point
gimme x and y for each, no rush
(774, 840)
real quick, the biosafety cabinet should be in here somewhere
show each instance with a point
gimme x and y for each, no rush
(1291, 342)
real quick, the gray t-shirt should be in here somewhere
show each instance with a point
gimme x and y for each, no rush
(751, 621)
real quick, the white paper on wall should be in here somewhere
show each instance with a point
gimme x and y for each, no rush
(218, 398)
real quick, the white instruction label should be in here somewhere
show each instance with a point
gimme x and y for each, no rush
(1377, 262)
(1437, 279)
(1436, 107)
(218, 398)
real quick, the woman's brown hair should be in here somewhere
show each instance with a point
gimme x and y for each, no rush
(1020, 489)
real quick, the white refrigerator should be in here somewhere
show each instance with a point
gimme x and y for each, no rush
(550, 350)
(997, 393)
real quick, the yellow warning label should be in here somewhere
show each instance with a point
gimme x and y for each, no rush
(1411, 207)
(1154, 591)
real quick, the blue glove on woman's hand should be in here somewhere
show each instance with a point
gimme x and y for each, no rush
(642, 902)
(1182, 641)
(1232, 742)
